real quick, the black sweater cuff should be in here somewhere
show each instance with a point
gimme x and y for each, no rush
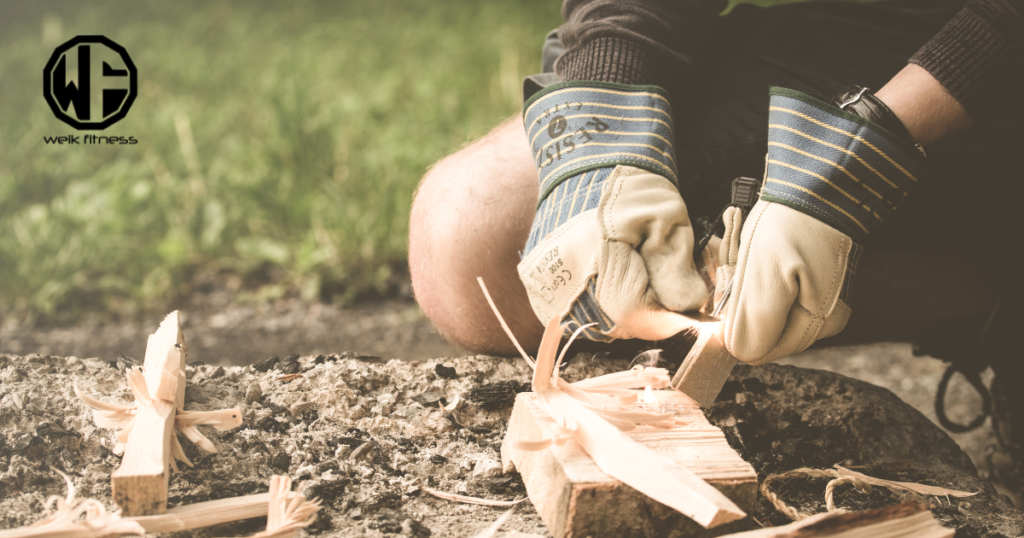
(611, 59)
(978, 55)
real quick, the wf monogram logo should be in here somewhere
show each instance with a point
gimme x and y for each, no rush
(90, 82)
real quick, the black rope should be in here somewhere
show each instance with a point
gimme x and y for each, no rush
(940, 401)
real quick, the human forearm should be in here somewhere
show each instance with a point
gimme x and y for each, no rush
(923, 105)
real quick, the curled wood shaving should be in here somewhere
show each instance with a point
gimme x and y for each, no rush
(72, 517)
(637, 377)
(531, 446)
(451, 405)
(605, 395)
(492, 529)
(287, 512)
(470, 500)
(504, 325)
(122, 418)
(920, 489)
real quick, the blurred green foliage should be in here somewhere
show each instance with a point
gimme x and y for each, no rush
(279, 141)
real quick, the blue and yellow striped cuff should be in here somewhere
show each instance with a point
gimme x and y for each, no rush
(586, 310)
(570, 198)
(834, 165)
(574, 127)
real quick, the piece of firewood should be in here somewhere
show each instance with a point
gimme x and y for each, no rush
(205, 514)
(706, 366)
(595, 416)
(575, 498)
(286, 512)
(597, 423)
(139, 485)
(907, 520)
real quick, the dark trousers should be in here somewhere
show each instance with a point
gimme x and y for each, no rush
(968, 200)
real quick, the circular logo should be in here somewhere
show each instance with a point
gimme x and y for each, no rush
(557, 126)
(90, 82)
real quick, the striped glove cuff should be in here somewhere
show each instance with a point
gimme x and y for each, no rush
(579, 126)
(834, 165)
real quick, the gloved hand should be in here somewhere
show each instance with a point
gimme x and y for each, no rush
(831, 177)
(611, 242)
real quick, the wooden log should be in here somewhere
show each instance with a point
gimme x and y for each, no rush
(706, 367)
(576, 499)
(139, 485)
(286, 512)
(206, 514)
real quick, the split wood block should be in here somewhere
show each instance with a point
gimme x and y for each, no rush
(140, 485)
(576, 499)
(705, 368)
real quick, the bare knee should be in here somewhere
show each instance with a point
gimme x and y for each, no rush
(470, 217)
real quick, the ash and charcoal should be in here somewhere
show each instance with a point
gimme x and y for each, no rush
(366, 435)
(360, 433)
(784, 417)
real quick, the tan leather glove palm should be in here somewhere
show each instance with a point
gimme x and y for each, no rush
(785, 294)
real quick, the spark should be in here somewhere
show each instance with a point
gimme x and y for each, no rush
(648, 396)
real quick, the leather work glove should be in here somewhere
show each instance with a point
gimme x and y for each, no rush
(831, 177)
(611, 242)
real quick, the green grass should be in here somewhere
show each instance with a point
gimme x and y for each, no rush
(311, 121)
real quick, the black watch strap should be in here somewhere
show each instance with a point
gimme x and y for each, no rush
(861, 101)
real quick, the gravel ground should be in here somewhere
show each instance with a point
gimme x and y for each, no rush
(366, 435)
(915, 381)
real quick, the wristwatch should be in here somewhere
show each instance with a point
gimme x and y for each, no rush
(861, 101)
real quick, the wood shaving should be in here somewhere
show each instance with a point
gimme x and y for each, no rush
(72, 517)
(286, 512)
(470, 500)
(453, 404)
(597, 419)
(121, 418)
(492, 529)
(920, 489)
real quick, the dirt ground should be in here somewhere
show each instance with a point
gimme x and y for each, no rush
(367, 437)
(224, 333)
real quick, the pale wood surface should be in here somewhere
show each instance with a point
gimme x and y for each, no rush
(705, 368)
(139, 485)
(575, 498)
(205, 514)
(634, 465)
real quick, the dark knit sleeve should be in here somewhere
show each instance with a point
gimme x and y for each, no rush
(635, 41)
(979, 58)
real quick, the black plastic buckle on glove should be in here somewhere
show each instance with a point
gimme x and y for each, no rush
(745, 193)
